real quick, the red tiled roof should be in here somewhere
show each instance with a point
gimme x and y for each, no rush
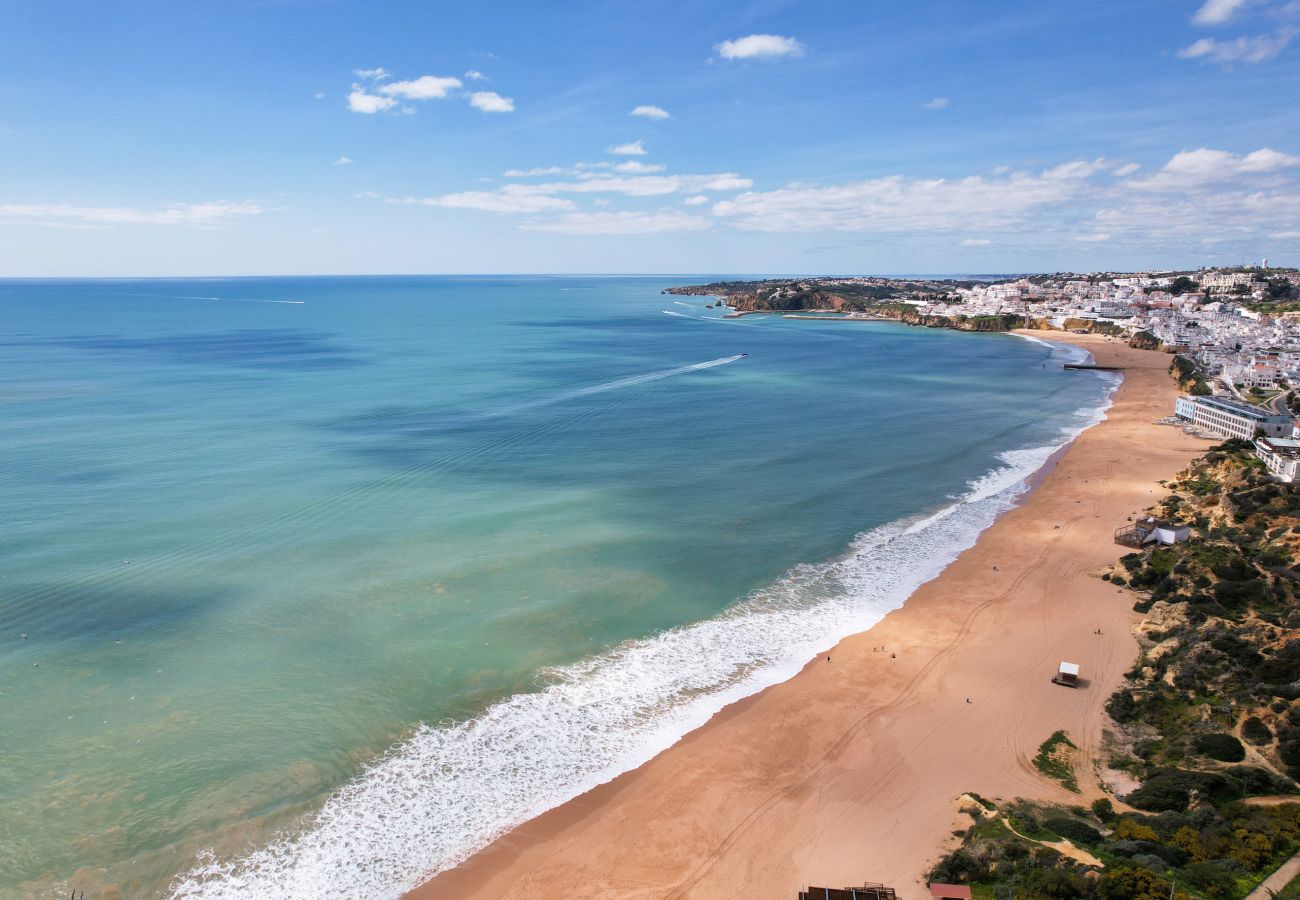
(950, 891)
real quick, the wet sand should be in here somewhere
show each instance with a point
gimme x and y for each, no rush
(849, 771)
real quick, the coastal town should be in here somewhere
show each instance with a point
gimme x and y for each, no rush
(1234, 332)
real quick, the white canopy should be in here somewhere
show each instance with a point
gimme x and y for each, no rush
(1069, 668)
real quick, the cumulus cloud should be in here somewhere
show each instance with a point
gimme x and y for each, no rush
(661, 222)
(492, 102)
(697, 200)
(426, 87)
(214, 214)
(360, 101)
(475, 75)
(1190, 169)
(936, 103)
(342, 161)
(372, 74)
(1249, 50)
(635, 148)
(759, 46)
(976, 242)
(649, 111)
(1216, 12)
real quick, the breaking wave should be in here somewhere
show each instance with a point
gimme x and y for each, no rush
(452, 788)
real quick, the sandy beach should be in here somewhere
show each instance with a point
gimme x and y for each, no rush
(849, 771)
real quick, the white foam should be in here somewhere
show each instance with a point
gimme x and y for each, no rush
(680, 303)
(452, 788)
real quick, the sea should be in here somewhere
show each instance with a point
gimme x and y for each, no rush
(314, 586)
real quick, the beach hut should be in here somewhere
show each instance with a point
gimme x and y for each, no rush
(1067, 674)
(950, 892)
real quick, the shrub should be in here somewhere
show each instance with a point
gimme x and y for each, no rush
(1211, 879)
(958, 867)
(1255, 731)
(1131, 883)
(1133, 830)
(1103, 809)
(1223, 747)
(1170, 789)
(1053, 883)
(1074, 830)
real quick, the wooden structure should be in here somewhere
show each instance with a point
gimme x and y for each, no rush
(1067, 674)
(950, 892)
(1150, 530)
(863, 892)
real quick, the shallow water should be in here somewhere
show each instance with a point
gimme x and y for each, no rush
(254, 545)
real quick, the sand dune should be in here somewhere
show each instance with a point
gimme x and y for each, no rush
(848, 772)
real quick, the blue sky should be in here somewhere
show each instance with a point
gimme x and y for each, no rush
(328, 136)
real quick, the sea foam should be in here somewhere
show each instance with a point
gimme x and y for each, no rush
(453, 787)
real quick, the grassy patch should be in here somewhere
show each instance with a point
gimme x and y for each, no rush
(1055, 760)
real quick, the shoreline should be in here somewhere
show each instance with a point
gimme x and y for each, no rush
(848, 771)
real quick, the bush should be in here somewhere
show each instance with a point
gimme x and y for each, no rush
(1103, 809)
(958, 867)
(1223, 747)
(1074, 830)
(1211, 879)
(1052, 883)
(1130, 883)
(1255, 731)
(1170, 789)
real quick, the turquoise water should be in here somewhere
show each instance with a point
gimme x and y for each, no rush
(258, 531)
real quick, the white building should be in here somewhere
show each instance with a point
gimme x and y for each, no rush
(1281, 455)
(1232, 419)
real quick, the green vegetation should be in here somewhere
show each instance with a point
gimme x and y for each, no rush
(1189, 377)
(1221, 658)
(1211, 852)
(1055, 760)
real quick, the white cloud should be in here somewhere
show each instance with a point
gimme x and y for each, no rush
(342, 161)
(372, 74)
(635, 148)
(649, 111)
(1095, 238)
(319, 95)
(897, 204)
(636, 167)
(1286, 235)
(759, 46)
(697, 200)
(976, 242)
(475, 75)
(426, 87)
(214, 214)
(513, 198)
(491, 102)
(1250, 50)
(536, 171)
(1193, 168)
(662, 222)
(1127, 169)
(361, 102)
(937, 103)
(1216, 12)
